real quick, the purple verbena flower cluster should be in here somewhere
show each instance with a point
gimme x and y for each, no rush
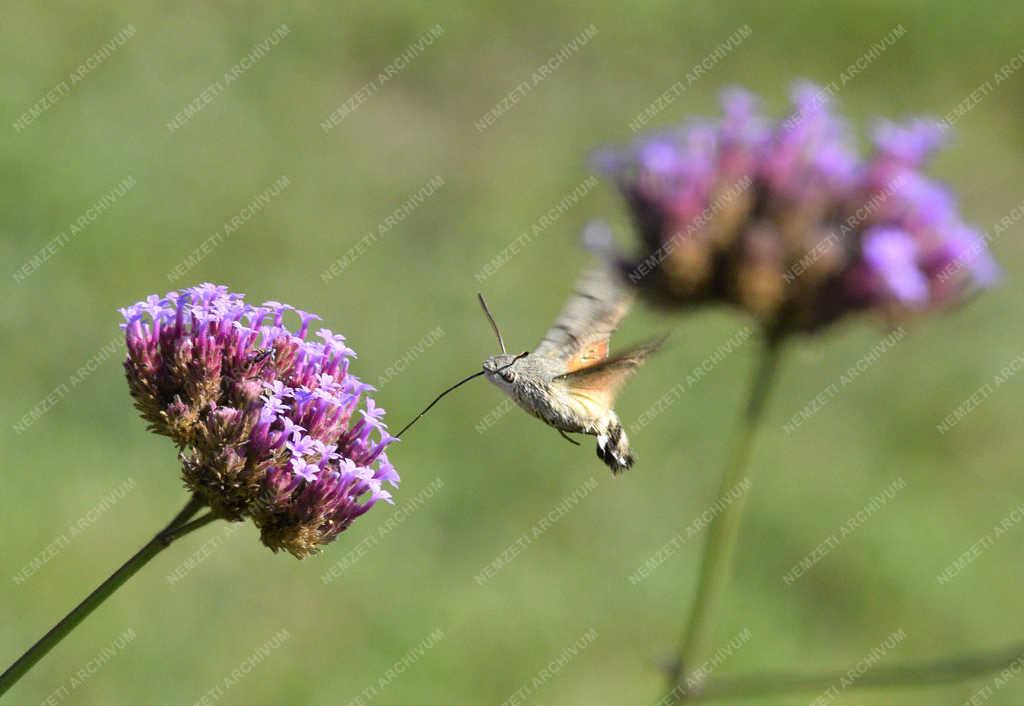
(269, 421)
(785, 220)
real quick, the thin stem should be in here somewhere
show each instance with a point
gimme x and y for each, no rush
(177, 528)
(720, 543)
(940, 671)
(193, 506)
(169, 536)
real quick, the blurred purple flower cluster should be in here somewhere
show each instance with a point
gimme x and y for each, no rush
(785, 220)
(269, 422)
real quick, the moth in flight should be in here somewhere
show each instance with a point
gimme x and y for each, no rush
(570, 381)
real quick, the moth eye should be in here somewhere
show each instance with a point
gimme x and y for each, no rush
(507, 376)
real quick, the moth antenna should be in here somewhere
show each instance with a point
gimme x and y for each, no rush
(461, 382)
(490, 318)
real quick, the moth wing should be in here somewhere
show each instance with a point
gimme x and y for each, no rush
(596, 386)
(581, 333)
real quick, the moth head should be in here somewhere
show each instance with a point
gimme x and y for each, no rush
(503, 369)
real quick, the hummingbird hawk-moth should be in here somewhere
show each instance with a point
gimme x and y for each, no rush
(570, 380)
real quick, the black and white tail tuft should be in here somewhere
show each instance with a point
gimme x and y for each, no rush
(613, 448)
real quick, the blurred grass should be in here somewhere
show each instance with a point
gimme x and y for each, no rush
(498, 484)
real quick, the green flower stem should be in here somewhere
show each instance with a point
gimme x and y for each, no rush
(720, 544)
(171, 534)
(178, 527)
(944, 670)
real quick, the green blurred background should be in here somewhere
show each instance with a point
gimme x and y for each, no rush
(344, 635)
